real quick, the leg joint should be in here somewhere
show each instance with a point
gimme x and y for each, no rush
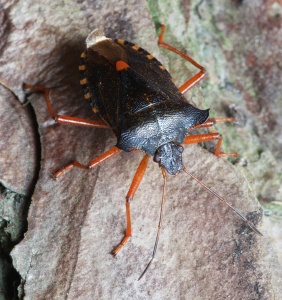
(129, 199)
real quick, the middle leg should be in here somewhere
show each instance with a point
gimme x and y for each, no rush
(94, 163)
(211, 121)
(68, 120)
(206, 137)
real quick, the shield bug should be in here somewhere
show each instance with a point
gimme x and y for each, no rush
(134, 95)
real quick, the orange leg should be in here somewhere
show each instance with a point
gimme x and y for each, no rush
(198, 138)
(211, 121)
(94, 163)
(129, 197)
(65, 119)
(196, 78)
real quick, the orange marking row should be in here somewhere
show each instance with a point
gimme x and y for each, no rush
(83, 81)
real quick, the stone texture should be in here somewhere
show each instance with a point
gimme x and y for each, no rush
(73, 224)
(239, 43)
(18, 165)
(18, 144)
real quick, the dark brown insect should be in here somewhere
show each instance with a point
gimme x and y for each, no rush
(135, 96)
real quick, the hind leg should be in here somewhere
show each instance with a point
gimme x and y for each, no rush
(196, 78)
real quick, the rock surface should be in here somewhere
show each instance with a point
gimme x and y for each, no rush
(239, 44)
(74, 223)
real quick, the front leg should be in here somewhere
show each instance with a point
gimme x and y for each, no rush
(129, 197)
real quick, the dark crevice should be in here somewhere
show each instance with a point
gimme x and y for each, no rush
(12, 227)
(37, 149)
(14, 224)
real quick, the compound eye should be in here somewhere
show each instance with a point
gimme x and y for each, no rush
(156, 158)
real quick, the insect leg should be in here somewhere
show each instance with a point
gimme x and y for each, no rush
(66, 119)
(198, 138)
(196, 78)
(129, 197)
(211, 121)
(94, 163)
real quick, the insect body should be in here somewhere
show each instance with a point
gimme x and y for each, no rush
(142, 105)
(135, 96)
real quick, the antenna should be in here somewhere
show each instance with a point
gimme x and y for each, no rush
(159, 227)
(234, 209)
